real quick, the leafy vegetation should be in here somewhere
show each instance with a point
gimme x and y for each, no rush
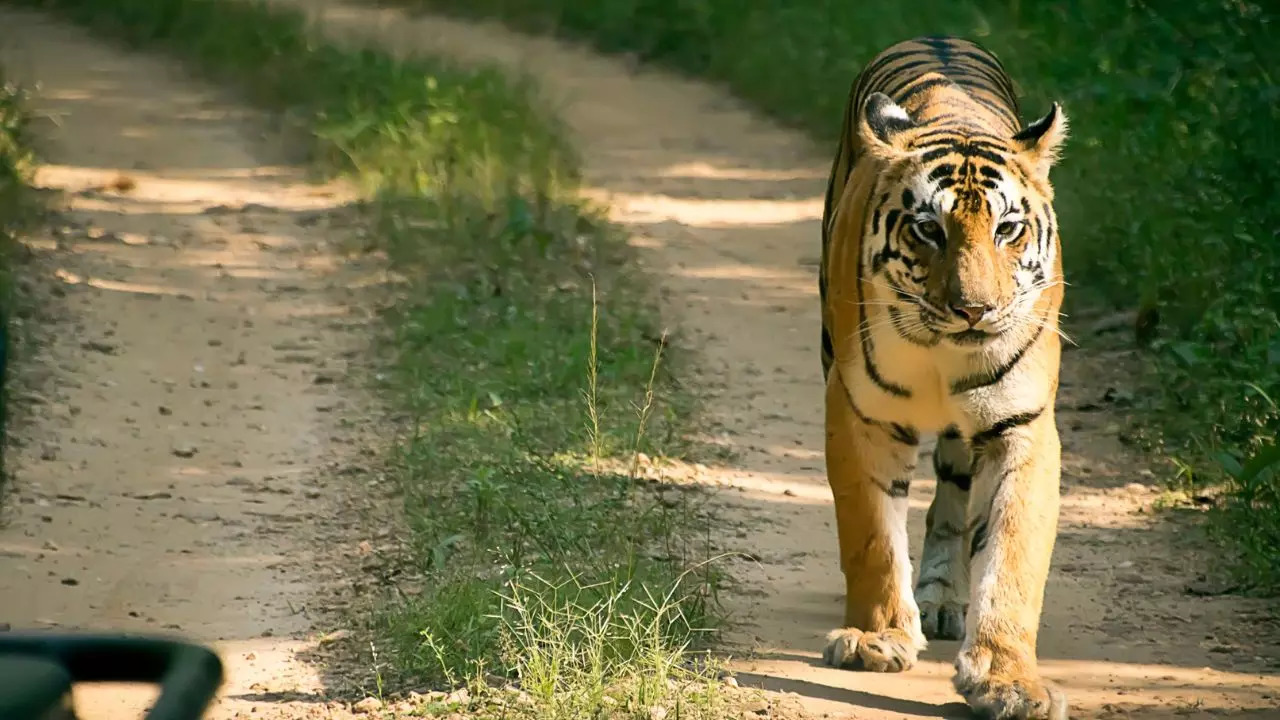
(526, 357)
(17, 206)
(1165, 194)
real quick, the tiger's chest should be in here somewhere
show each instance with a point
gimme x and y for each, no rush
(893, 380)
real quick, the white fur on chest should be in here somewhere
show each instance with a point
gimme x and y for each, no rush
(927, 374)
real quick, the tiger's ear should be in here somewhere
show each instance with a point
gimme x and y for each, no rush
(1041, 141)
(881, 124)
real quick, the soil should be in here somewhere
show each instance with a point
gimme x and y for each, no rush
(725, 206)
(183, 404)
(172, 465)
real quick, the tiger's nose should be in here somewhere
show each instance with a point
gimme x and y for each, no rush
(971, 313)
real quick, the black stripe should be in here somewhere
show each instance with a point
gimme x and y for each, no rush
(947, 474)
(848, 396)
(910, 77)
(869, 72)
(867, 348)
(930, 340)
(894, 429)
(937, 153)
(962, 478)
(979, 540)
(985, 142)
(875, 216)
(941, 171)
(971, 151)
(982, 439)
(874, 373)
(951, 135)
(999, 83)
(921, 87)
(1000, 111)
(904, 434)
(941, 46)
(985, 58)
(828, 353)
(981, 380)
(926, 582)
(891, 221)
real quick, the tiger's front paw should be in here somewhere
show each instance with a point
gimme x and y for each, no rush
(885, 651)
(1010, 698)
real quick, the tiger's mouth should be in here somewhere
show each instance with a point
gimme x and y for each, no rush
(963, 336)
(972, 336)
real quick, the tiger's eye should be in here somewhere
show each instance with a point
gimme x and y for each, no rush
(1008, 229)
(930, 230)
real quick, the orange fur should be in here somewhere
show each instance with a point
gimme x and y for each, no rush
(941, 286)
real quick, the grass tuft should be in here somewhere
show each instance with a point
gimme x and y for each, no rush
(524, 350)
(1165, 193)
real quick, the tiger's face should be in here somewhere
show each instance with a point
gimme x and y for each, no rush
(961, 240)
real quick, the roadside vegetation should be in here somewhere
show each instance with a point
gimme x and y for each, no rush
(1165, 192)
(540, 389)
(18, 206)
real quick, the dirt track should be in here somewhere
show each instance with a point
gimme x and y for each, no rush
(179, 416)
(725, 205)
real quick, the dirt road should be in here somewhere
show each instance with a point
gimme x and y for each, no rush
(726, 205)
(180, 401)
(182, 404)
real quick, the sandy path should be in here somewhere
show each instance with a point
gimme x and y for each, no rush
(726, 206)
(182, 401)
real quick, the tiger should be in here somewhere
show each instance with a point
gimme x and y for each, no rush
(940, 285)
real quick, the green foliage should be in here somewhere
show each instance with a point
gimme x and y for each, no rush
(501, 476)
(15, 161)
(1165, 192)
(18, 206)
(525, 387)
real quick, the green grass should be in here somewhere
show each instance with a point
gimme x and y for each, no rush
(18, 206)
(1165, 193)
(526, 355)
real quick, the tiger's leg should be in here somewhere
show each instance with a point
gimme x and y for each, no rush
(1015, 498)
(942, 592)
(869, 467)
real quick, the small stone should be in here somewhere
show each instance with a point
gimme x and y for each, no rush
(335, 636)
(165, 410)
(105, 348)
(184, 450)
(70, 582)
(368, 705)
(49, 451)
(460, 696)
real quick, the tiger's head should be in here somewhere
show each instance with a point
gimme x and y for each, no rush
(961, 239)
